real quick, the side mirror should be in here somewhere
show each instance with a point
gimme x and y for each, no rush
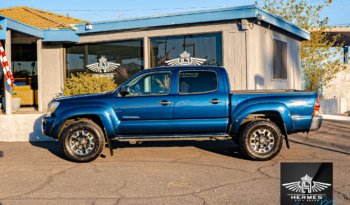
(124, 90)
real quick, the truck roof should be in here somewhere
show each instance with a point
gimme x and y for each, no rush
(194, 67)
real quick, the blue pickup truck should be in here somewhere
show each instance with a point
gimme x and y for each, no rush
(180, 103)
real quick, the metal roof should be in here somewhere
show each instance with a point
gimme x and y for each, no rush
(200, 16)
(228, 13)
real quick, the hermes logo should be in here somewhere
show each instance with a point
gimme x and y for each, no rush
(185, 59)
(306, 184)
(103, 65)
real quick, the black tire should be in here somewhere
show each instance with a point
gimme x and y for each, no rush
(86, 134)
(261, 145)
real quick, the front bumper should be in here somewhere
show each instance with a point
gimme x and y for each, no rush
(316, 123)
(46, 125)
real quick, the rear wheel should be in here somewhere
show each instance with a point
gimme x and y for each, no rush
(261, 140)
(82, 141)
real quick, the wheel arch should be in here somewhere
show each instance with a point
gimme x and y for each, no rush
(98, 115)
(94, 118)
(275, 112)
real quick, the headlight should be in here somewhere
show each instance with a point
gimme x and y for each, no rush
(51, 108)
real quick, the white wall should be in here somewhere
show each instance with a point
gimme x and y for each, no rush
(261, 60)
(52, 75)
(21, 127)
(339, 87)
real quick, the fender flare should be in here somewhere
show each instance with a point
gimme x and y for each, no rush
(281, 108)
(99, 111)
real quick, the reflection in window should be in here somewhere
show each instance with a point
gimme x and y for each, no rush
(128, 54)
(25, 71)
(197, 82)
(151, 84)
(206, 46)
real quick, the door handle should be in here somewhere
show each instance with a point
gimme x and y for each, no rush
(215, 101)
(164, 102)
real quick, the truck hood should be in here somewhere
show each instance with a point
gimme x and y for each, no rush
(83, 96)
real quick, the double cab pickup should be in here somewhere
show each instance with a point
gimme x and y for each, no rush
(180, 103)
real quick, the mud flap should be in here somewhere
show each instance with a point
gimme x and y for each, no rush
(286, 135)
(110, 143)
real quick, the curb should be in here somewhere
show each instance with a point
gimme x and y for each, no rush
(335, 117)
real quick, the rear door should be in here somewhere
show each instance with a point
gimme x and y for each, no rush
(200, 104)
(148, 109)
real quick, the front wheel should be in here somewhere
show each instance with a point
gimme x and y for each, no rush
(82, 141)
(261, 140)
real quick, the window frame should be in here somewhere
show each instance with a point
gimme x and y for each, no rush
(188, 34)
(197, 93)
(151, 94)
(272, 69)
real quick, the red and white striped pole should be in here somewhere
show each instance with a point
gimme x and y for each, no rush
(5, 67)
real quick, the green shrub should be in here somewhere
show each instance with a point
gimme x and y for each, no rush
(84, 83)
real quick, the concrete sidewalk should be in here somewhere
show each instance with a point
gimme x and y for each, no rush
(166, 172)
(336, 117)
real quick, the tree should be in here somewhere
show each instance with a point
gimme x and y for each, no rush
(321, 59)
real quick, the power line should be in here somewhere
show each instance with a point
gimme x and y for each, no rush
(135, 9)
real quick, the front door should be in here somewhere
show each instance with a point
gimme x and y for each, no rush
(148, 108)
(201, 104)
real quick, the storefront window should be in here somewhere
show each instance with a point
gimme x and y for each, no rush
(120, 59)
(205, 46)
(25, 71)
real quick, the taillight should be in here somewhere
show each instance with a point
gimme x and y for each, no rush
(317, 107)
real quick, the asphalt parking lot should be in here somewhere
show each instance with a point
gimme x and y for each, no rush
(188, 172)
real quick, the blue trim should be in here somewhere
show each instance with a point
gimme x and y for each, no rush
(283, 24)
(3, 32)
(23, 28)
(61, 35)
(221, 14)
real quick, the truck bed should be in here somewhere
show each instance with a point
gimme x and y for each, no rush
(267, 91)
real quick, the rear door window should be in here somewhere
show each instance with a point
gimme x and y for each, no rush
(196, 82)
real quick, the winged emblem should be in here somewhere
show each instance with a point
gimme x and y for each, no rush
(103, 65)
(319, 186)
(294, 186)
(185, 59)
(305, 184)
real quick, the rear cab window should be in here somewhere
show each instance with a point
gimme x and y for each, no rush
(197, 82)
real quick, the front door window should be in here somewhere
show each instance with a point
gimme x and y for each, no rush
(151, 84)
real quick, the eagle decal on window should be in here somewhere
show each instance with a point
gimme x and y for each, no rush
(185, 59)
(103, 65)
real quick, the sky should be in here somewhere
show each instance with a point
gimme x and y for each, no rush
(338, 12)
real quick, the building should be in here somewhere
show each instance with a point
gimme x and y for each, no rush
(336, 92)
(258, 49)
